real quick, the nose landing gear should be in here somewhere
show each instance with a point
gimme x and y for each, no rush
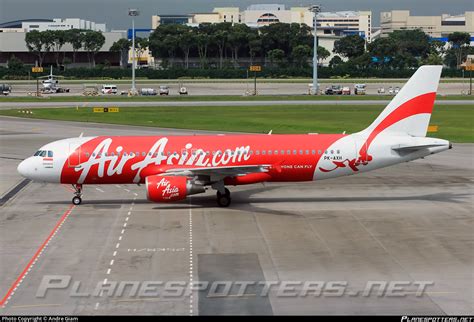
(76, 200)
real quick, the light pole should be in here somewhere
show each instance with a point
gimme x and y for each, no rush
(315, 9)
(133, 13)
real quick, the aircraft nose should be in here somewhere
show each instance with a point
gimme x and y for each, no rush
(24, 168)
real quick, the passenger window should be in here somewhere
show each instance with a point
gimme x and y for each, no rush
(257, 152)
(276, 152)
(282, 151)
(294, 152)
(319, 151)
(111, 154)
(338, 151)
(307, 152)
(50, 154)
(264, 152)
(87, 154)
(143, 154)
(332, 151)
(269, 152)
(301, 152)
(313, 152)
(288, 152)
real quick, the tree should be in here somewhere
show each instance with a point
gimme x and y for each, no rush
(141, 46)
(93, 42)
(300, 55)
(75, 37)
(323, 54)
(15, 65)
(255, 46)
(203, 40)
(335, 61)
(163, 42)
(220, 36)
(238, 38)
(459, 42)
(410, 47)
(276, 56)
(350, 46)
(433, 59)
(186, 40)
(123, 46)
(382, 50)
(58, 39)
(38, 43)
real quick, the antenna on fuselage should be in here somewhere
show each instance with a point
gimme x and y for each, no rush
(270, 133)
(80, 135)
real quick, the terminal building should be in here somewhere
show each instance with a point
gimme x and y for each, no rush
(12, 41)
(438, 27)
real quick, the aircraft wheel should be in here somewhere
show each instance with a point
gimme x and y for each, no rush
(76, 200)
(223, 200)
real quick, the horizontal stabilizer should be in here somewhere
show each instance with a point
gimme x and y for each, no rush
(405, 147)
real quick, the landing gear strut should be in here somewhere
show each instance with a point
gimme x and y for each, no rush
(77, 195)
(223, 199)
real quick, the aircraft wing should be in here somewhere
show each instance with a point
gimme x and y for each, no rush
(217, 173)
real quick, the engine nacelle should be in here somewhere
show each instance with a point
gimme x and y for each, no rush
(165, 189)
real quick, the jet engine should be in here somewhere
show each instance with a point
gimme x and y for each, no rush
(165, 189)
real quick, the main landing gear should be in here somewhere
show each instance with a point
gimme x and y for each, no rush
(223, 194)
(223, 199)
(77, 195)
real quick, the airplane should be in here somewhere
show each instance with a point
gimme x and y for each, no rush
(51, 84)
(174, 167)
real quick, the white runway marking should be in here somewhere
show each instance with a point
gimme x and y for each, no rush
(114, 254)
(191, 296)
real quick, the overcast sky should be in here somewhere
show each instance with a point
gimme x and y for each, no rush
(114, 12)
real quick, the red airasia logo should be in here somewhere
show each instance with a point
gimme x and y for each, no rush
(163, 189)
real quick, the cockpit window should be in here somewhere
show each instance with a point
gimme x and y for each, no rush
(50, 154)
(37, 153)
(43, 154)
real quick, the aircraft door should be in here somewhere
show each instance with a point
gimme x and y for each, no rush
(74, 156)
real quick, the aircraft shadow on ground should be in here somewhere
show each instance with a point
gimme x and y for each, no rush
(243, 200)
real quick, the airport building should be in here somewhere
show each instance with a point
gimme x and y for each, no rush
(435, 26)
(51, 24)
(12, 41)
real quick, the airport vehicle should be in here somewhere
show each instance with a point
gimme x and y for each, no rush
(164, 90)
(333, 90)
(148, 92)
(381, 90)
(109, 89)
(183, 90)
(359, 89)
(174, 167)
(51, 84)
(5, 89)
(346, 90)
